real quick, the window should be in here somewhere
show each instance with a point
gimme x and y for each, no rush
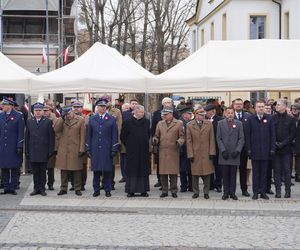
(257, 27)
(224, 27)
(287, 25)
(212, 31)
(202, 37)
(256, 96)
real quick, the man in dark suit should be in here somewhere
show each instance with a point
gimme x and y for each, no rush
(241, 115)
(166, 103)
(230, 139)
(39, 146)
(260, 145)
(11, 145)
(285, 129)
(216, 178)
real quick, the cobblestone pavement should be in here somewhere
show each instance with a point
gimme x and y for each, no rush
(71, 222)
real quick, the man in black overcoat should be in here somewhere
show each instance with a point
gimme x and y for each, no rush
(135, 135)
(39, 147)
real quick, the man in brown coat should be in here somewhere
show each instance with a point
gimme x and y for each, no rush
(201, 148)
(71, 148)
(169, 135)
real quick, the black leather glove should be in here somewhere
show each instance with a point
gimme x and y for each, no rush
(278, 145)
(89, 154)
(211, 157)
(52, 154)
(19, 151)
(178, 145)
(81, 154)
(235, 154)
(225, 155)
(272, 153)
(155, 141)
(191, 159)
(113, 154)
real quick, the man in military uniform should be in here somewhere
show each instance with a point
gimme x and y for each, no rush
(39, 147)
(215, 178)
(51, 161)
(11, 145)
(185, 164)
(102, 145)
(169, 135)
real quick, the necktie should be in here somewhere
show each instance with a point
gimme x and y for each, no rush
(101, 118)
(239, 116)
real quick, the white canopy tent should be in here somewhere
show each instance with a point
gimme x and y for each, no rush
(247, 65)
(13, 78)
(100, 69)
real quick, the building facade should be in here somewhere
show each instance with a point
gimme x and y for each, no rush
(243, 20)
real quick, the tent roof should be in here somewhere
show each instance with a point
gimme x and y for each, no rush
(13, 78)
(53, 5)
(100, 69)
(234, 66)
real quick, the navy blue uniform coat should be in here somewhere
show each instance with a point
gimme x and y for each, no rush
(102, 141)
(11, 138)
(39, 139)
(260, 137)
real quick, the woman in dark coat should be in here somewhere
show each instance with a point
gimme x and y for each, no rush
(135, 136)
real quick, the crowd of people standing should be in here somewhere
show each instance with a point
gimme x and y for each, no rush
(189, 141)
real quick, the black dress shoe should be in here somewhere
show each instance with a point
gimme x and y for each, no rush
(234, 197)
(211, 188)
(225, 197)
(269, 191)
(264, 196)
(190, 190)
(158, 184)
(218, 190)
(95, 194)
(43, 193)
(245, 193)
(144, 194)
(255, 197)
(82, 188)
(174, 195)
(13, 192)
(72, 189)
(113, 187)
(1, 186)
(78, 193)
(292, 184)
(50, 187)
(122, 180)
(62, 192)
(163, 195)
(278, 196)
(183, 190)
(206, 196)
(130, 194)
(287, 195)
(195, 196)
(34, 193)
(107, 194)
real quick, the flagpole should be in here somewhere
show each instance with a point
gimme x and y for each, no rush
(47, 35)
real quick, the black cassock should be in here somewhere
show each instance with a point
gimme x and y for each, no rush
(135, 136)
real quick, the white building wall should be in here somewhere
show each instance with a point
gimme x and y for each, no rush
(293, 7)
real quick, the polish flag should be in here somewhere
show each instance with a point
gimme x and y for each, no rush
(87, 104)
(44, 56)
(66, 55)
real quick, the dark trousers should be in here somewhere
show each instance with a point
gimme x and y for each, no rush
(243, 170)
(297, 165)
(106, 180)
(282, 166)
(206, 182)
(157, 166)
(165, 182)
(50, 177)
(259, 176)
(84, 174)
(10, 179)
(65, 174)
(269, 174)
(216, 177)
(229, 179)
(123, 162)
(39, 175)
(186, 181)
